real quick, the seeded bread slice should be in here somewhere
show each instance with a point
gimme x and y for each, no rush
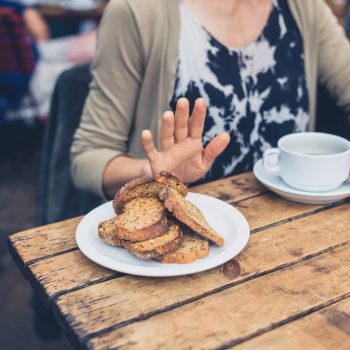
(155, 247)
(146, 187)
(172, 181)
(107, 231)
(142, 219)
(191, 249)
(189, 214)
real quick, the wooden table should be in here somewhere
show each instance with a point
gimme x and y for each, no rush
(289, 289)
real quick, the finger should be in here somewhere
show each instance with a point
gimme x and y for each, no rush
(196, 123)
(181, 120)
(166, 134)
(215, 148)
(148, 145)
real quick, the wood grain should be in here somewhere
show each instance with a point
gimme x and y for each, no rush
(323, 330)
(115, 302)
(66, 272)
(57, 238)
(45, 240)
(232, 189)
(269, 209)
(54, 274)
(242, 311)
(290, 280)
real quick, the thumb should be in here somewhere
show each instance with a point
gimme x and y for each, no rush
(215, 147)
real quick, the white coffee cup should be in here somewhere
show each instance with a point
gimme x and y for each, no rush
(310, 161)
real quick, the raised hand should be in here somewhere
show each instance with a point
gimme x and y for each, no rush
(181, 150)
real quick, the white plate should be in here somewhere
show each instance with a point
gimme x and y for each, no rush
(274, 182)
(224, 219)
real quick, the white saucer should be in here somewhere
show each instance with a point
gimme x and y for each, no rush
(274, 182)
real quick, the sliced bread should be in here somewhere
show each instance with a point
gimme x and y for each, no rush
(191, 249)
(146, 187)
(189, 214)
(172, 181)
(155, 247)
(142, 219)
(107, 231)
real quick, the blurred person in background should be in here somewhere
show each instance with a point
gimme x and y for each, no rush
(37, 60)
(234, 75)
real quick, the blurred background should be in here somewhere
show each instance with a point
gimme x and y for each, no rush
(46, 47)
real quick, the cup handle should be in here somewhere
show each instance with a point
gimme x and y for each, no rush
(267, 160)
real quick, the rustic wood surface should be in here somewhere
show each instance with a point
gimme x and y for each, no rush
(289, 288)
(326, 329)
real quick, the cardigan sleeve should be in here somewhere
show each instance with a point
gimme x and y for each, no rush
(110, 107)
(333, 56)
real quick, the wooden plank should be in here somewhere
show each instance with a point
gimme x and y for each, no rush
(269, 209)
(45, 240)
(239, 312)
(232, 189)
(115, 302)
(55, 277)
(54, 239)
(67, 272)
(57, 238)
(322, 330)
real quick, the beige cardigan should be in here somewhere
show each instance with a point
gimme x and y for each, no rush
(134, 75)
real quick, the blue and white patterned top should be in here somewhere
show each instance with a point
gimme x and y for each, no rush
(257, 94)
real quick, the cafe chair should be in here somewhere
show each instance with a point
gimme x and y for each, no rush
(59, 199)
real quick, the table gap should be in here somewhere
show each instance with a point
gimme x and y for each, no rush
(298, 217)
(146, 316)
(281, 323)
(18, 260)
(259, 229)
(56, 295)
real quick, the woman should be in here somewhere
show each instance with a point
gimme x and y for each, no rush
(254, 62)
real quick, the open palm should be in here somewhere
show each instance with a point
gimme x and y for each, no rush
(181, 150)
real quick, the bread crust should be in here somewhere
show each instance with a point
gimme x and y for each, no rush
(120, 197)
(189, 214)
(107, 231)
(155, 230)
(158, 244)
(142, 219)
(154, 255)
(146, 187)
(153, 249)
(191, 249)
(171, 180)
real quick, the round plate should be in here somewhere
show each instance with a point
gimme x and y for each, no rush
(274, 182)
(222, 217)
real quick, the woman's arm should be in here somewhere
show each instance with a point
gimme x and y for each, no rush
(107, 118)
(121, 170)
(181, 149)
